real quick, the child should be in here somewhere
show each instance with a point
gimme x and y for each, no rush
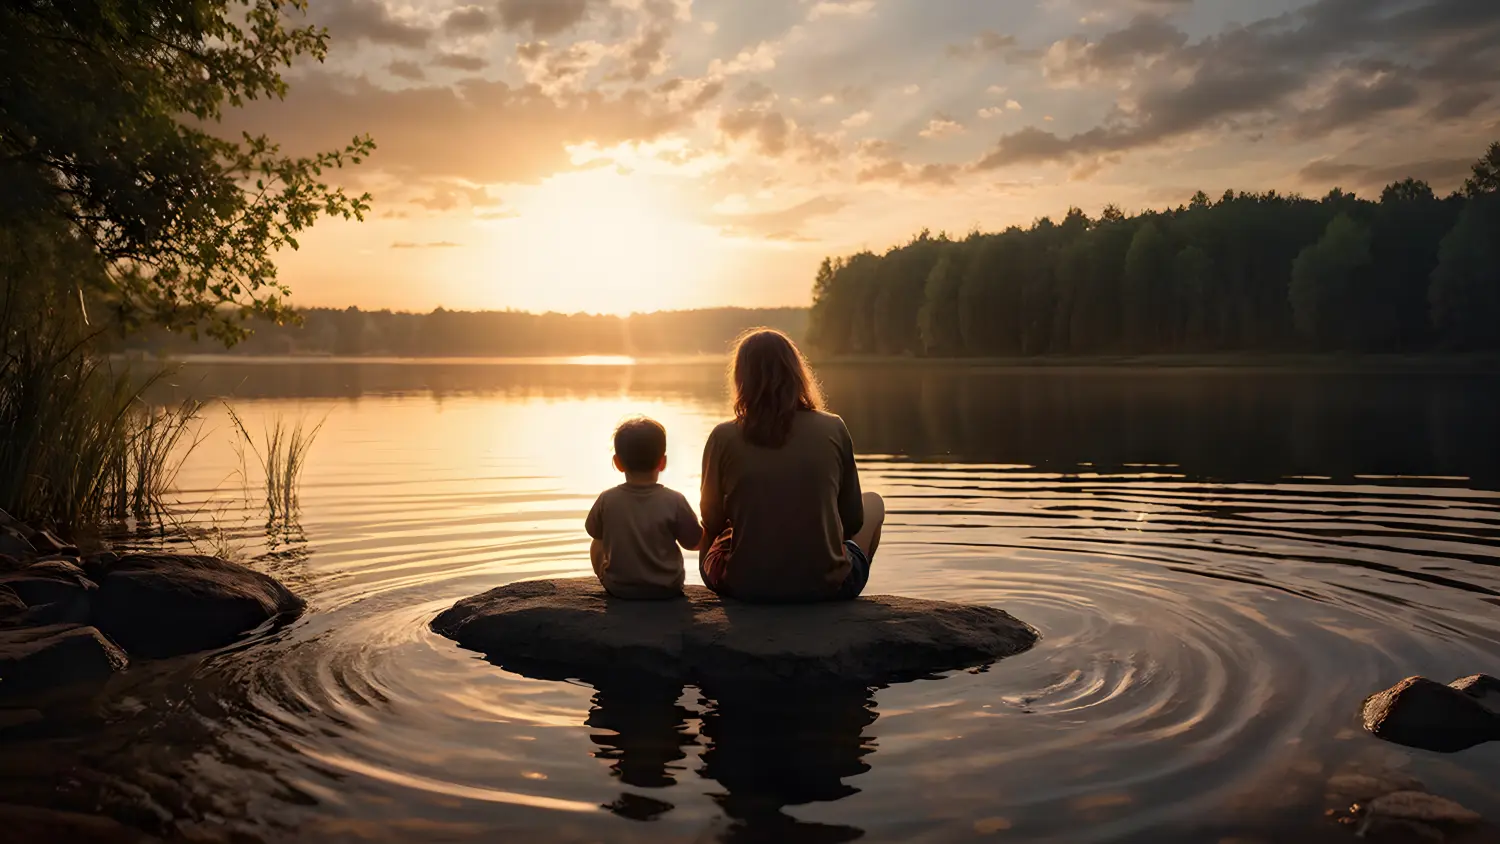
(638, 525)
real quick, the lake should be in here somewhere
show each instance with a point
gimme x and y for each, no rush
(1222, 562)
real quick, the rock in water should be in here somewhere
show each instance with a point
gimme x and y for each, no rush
(160, 605)
(33, 658)
(1481, 687)
(1425, 714)
(561, 629)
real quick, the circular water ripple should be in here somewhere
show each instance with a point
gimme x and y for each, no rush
(1205, 648)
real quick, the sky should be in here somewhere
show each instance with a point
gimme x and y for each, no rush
(612, 156)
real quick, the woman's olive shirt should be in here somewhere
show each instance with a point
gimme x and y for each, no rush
(790, 508)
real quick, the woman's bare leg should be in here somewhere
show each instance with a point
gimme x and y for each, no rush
(868, 537)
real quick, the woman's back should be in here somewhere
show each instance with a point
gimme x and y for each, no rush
(790, 508)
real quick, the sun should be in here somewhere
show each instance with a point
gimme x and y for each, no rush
(601, 241)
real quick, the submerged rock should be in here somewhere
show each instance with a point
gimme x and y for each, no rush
(572, 629)
(160, 605)
(33, 658)
(1425, 714)
(1352, 788)
(1421, 807)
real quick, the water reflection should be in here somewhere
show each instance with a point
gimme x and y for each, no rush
(774, 747)
(644, 731)
(768, 748)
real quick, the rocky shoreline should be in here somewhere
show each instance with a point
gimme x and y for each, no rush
(69, 619)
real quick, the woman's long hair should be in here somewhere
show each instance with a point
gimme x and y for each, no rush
(771, 382)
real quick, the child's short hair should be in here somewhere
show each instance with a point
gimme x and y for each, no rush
(640, 443)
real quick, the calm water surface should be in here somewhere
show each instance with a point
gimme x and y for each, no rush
(1222, 564)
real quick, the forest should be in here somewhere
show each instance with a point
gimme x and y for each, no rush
(445, 333)
(1249, 272)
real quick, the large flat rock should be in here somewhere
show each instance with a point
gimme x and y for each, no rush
(572, 629)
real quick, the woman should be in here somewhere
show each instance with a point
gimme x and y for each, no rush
(780, 489)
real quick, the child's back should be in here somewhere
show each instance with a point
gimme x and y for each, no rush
(642, 529)
(639, 525)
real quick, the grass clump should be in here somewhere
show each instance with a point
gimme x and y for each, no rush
(281, 453)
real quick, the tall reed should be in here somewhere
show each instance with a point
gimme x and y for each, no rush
(78, 441)
(282, 455)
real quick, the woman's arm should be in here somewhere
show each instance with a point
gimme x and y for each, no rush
(711, 505)
(851, 501)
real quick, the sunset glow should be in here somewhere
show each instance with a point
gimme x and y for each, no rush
(599, 241)
(619, 155)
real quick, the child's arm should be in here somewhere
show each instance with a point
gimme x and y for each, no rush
(594, 525)
(596, 556)
(689, 532)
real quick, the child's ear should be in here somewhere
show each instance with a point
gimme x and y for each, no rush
(661, 465)
(619, 467)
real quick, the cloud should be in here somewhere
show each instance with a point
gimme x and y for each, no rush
(770, 129)
(1459, 105)
(774, 135)
(786, 224)
(880, 161)
(459, 61)
(406, 70)
(469, 20)
(986, 43)
(755, 93)
(368, 20)
(1442, 173)
(434, 244)
(476, 130)
(446, 196)
(942, 126)
(857, 119)
(544, 17)
(646, 52)
(762, 57)
(991, 112)
(1144, 39)
(1273, 75)
(840, 9)
(558, 71)
(1354, 101)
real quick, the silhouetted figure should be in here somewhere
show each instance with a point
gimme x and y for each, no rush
(776, 746)
(649, 731)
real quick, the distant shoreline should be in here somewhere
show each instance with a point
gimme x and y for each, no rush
(1272, 361)
(1421, 362)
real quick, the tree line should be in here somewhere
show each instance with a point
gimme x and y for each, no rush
(444, 333)
(1250, 272)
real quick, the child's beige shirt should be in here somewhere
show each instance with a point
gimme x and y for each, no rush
(642, 528)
